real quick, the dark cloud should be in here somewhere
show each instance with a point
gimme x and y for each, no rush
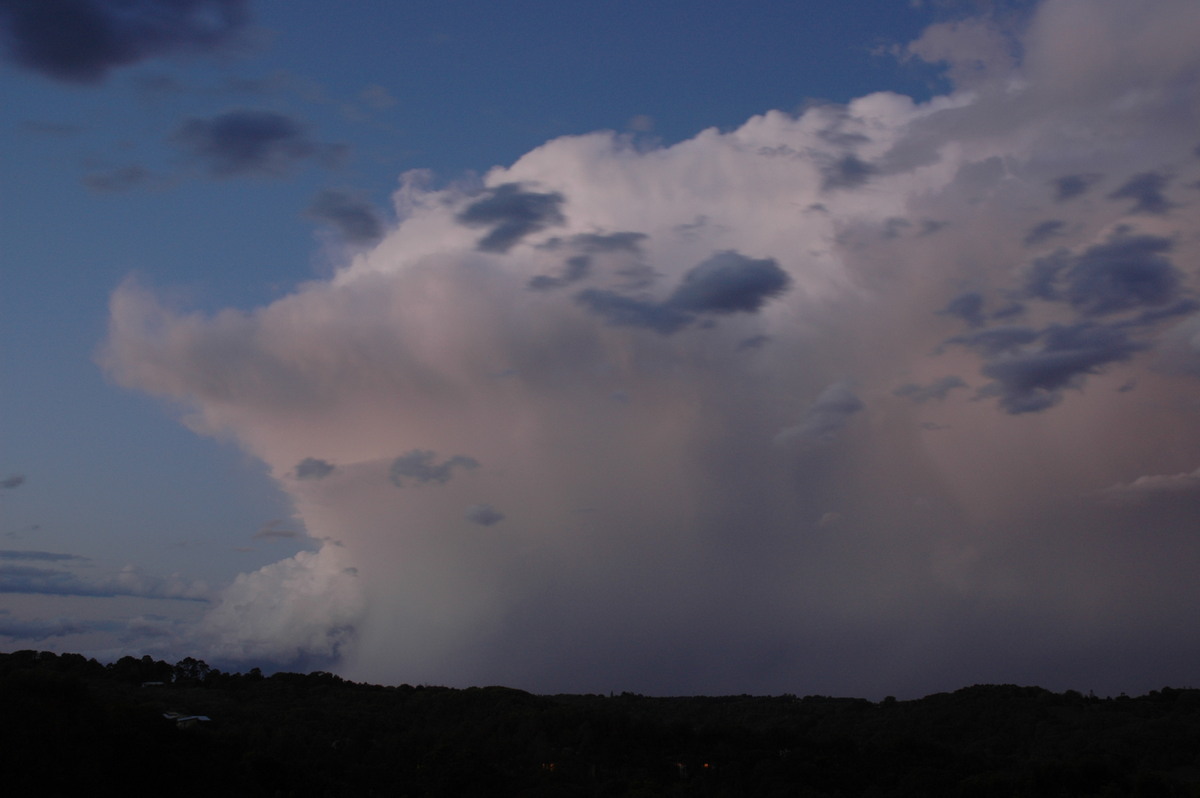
(1145, 190)
(484, 515)
(1069, 187)
(1124, 273)
(39, 630)
(81, 41)
(995, 340)
(14, 481)
(729, 282)
(620, 310)
(596, 243)
(314, 468)
(275, 530)
(938, 389)
(1031, 380)
(1044, 231)
(847, 172)
(575, 269)
(247, 142)
(419, 466)
(124, 178)
(894, 226)
(753, 342)
(512, 213)
(968, 307)
(26, 579)
(352, 216)
(42, 556)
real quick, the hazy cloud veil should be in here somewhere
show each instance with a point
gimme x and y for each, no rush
(835, 402)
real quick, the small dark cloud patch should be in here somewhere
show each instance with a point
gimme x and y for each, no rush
(575, 269)
(753, 342)
(620, 310)
(1123, 273)
(597, 243)
(121, 179)
(40, 556)
(931, 226)
(251, 143)
(967, 306)
(1044, 231)
(997, 340)
(419, 466)
(938, 389)
(1068, 187)
(276, 530)
(353, 217)
(726, 283)
(1127, 272)
(484, 515)
(39, 630)
(81, 41)
(314, 468)
(1033, 379)
(13, 481)
(1146, 191)
(513, 213)
(894, 226)
(729, 282)
(847, 172)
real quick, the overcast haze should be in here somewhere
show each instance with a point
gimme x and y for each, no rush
(521, 365)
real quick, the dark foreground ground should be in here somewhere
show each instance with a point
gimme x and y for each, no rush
(73, 726)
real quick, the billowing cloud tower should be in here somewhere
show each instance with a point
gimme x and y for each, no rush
(861, 400)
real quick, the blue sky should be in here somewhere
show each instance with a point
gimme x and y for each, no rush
(901, 370)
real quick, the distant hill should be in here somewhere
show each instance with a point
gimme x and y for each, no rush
(74, 726)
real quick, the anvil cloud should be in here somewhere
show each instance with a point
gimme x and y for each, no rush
(830, 402)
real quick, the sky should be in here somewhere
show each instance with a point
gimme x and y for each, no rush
(842, 349)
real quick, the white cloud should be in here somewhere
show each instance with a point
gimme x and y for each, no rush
(698, 569)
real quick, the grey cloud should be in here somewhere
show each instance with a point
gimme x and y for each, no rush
(1145, 190)
(353, 217)
(826, 417)
(254, 143)
(995, 340)
(1124, 273)
(14, 481)
(847, 172)
(40, 630)
(1069, 187)
(130, 581)
(81, 41)
(968, 307)
(124, 178)
(512, 213)
(596, 243)
(419, 466)
(728, 282)
(314, 468)
(1028, 381)
(938, 389)
(275, 530)
(43, 556)
(1044, 231)
(576, 269)
(484, 515)
(624, 311)
(753, 342)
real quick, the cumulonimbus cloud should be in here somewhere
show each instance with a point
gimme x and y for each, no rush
(785, 275)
